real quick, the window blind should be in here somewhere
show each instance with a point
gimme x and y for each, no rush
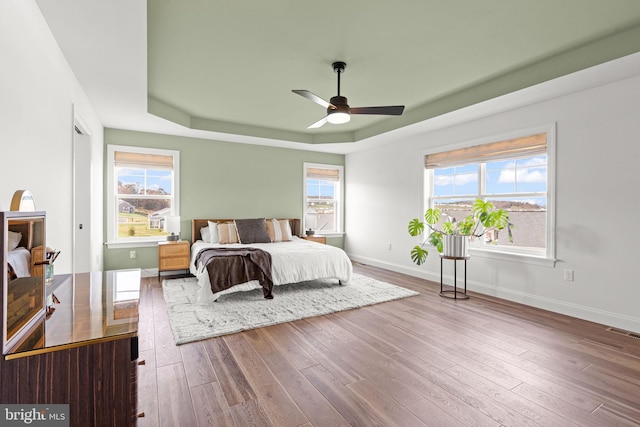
(520, 147)
(324, 174)
(142, 160)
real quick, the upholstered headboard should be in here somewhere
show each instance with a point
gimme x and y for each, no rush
(197, 224)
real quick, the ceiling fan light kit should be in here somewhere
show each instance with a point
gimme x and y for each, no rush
(337, 118)
(338, 110)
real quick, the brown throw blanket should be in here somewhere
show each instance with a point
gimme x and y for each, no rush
(228, 267)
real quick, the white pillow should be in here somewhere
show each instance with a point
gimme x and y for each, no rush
(204, 234)
(214, 237)
(14, 239)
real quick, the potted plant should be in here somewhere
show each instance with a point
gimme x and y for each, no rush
(452, 237)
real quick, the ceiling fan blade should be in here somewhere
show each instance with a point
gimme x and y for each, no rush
(319, 123)
(392, 110)
(315, 98)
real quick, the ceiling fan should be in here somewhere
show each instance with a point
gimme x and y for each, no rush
(338, 111)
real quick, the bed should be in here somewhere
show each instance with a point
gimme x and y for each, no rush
(293, 259)
(22, 256)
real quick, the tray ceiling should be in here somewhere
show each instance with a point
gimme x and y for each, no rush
(229, 67)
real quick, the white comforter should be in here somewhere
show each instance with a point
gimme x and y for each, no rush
(291, 262)
(20, 259)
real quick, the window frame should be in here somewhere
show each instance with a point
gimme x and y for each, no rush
(113, 241)
(548, 258)
(339, 200)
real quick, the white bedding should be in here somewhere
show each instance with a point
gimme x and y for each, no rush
(20, 259)
(295, 261)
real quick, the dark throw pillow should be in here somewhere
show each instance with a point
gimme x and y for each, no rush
(252, 230)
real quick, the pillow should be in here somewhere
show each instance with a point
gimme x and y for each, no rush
(213, 232)
(227, 233)
(204, 234)
(14, 239)
(279, 230)
(252, 230)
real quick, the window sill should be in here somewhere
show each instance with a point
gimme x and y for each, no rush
(137, 244)
(332, 234)
(514, 257)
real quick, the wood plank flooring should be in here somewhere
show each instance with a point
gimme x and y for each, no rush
(419, 361)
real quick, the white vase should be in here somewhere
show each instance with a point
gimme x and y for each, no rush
(454, 245)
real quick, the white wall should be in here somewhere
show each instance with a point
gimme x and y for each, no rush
(598, 158)
(38, 92)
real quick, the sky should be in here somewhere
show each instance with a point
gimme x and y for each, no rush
(507, 176)
(317, 188)
(155, 179)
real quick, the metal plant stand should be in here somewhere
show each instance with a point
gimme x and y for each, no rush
(455, 293)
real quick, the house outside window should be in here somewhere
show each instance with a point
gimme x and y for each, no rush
(516, 173)
(323, 198)
(142, 193)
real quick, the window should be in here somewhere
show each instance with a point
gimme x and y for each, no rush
(142, 193)
(323, 198)
(515, 174)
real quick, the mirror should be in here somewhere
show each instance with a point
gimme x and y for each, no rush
(23, 282)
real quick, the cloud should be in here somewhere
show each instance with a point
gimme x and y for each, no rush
(462, 179)
(531, 171)
(530, 176)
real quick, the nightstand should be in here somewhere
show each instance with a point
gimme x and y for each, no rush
(174, 255)
(314, 238)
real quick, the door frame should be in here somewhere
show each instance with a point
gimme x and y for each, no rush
(80, 128)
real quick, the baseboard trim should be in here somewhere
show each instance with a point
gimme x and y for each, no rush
(149, 272)
(591, 314)
(411, 271)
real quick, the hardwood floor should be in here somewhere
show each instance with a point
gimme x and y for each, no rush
(418, 361)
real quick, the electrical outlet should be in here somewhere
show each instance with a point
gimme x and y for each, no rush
(132, 254)
(568, 275)
(389, 246)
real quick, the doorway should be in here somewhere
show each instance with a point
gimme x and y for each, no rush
(82, 250)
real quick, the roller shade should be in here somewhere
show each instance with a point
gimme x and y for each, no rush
(520, 147)
(324, 174)
(142, 160)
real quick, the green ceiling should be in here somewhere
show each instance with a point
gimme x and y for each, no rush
(230, 66)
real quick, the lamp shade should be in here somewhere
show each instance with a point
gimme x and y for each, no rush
(172, 225)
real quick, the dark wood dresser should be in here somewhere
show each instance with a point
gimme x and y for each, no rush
(84, 353)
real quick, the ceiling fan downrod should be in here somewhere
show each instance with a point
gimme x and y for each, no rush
(339, 68)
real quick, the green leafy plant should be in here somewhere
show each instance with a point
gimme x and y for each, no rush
(485, 217)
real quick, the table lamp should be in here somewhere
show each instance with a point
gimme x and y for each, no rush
(172, 225)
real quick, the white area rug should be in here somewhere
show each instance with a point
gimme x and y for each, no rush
(192, 321)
